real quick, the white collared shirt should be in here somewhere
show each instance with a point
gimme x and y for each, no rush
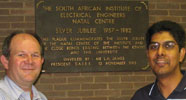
(10, 91)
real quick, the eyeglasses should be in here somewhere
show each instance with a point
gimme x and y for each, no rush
(166, 45)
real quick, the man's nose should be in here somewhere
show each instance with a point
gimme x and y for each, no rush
(29, 59)
(161, 51)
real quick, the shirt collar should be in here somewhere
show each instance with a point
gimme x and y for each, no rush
(154, 91)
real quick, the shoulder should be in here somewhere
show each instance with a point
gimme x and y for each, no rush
(43, 97)
(142, 93)
(3, 86)
(3, 95)
(38, 94)
(4, 90)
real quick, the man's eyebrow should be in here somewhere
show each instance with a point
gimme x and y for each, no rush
(170, 41)
(37, 53)
(163, 42)
(153, 42)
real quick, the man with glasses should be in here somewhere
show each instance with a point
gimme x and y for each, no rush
(165, 51)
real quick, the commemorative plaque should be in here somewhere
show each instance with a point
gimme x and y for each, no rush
(92, 35)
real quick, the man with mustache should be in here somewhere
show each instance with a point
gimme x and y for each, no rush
(165, 51)
(22, 58)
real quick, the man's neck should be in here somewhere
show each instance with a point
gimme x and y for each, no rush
(167, 84)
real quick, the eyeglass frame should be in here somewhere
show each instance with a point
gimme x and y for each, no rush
(167, 45)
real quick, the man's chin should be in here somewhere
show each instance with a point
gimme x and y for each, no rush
(30, 78)
(161, 74)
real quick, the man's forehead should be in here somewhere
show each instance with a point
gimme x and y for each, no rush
(20, 38)
(23, 35)
(162, 35)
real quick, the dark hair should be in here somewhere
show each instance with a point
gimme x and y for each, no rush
(8, 39)
(173, 28)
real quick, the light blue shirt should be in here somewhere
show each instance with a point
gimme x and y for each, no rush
(10, 91)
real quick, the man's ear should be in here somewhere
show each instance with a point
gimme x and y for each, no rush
(147, 53)
(182, 54)
(4, 61)
(42, 60)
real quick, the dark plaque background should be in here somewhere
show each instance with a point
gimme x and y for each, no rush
(92, 35)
